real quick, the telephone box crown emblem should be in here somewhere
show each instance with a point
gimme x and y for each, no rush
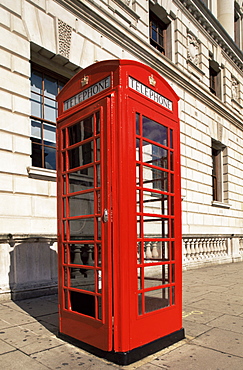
(84, 81)
(152, 81)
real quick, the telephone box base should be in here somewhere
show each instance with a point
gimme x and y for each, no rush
(136, 354)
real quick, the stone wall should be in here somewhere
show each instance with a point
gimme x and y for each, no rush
(65, 36)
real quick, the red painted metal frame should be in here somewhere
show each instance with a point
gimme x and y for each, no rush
(122, 329)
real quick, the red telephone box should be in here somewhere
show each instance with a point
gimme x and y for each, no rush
(119, 211)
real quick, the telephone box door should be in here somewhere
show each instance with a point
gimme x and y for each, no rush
(84, 226)
(156, 304)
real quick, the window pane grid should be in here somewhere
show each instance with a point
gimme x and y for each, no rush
(83, 217)
(44, 89)
(155, 214)
(157, 33)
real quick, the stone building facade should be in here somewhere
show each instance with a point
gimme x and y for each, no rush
(196, 45)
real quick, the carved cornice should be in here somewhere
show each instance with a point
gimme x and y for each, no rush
(206, 20)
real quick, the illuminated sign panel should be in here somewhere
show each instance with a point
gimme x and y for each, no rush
(151, 94)
(88, 93)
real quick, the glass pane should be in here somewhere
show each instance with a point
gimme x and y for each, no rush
(137, 149)
(50, 89)
(81, 131)
(64, 228)
(140, 304)
(172, 251)
(50, 158)
(82, 303)
(154, 178)
(157, 299)
(79, 181)
(138, 202)
(97, 123)
(153, 251)
(172, 183)
(36, 105)
(164, 251)
(64, 184)
(99, 228)
(155, 227)
(81, 204)
(172, 228)
(138, 227)
(98, 176)
(99, 254)
(156, 275)
(172, 273)
(137, 124)
(50, 110)
(154, 155)
(49, 134)
(82, 229)
(36, 82)
(36, 154)
(99, 280)
(140, 279)
(82, 278)
(138, 175)
(36, 129)
(154, 131)
(99, 308)
(171, 161)
(173, 295)
(155, 203)
(81, 155)
(154, 34)
(97, 149)
(140, 252)
(172, 205)
(66, 299)
(171, 138)
(82, 254)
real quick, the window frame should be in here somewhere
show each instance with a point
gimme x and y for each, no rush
(219, 174)
(163, 31)
(40, 144)
(214, 78)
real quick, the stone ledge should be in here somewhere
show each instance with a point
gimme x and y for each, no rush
(42, 173)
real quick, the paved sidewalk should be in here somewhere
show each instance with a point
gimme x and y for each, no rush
(213, 320)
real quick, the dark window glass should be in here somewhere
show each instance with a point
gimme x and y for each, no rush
(160, 34)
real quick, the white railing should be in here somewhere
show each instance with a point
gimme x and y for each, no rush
(202, 249)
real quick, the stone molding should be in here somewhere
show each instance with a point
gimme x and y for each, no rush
(206, 20)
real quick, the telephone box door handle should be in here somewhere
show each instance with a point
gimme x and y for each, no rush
(105, 215)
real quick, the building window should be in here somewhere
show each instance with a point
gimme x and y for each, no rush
(219, 159)
(160, 34)
(44, 88)
(237, 27)
(214, 79)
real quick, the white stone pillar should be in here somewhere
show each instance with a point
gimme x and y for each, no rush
(226, 15)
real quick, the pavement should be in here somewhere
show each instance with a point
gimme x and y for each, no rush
(213, 321)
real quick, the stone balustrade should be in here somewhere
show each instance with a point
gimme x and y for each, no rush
(200, 250)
